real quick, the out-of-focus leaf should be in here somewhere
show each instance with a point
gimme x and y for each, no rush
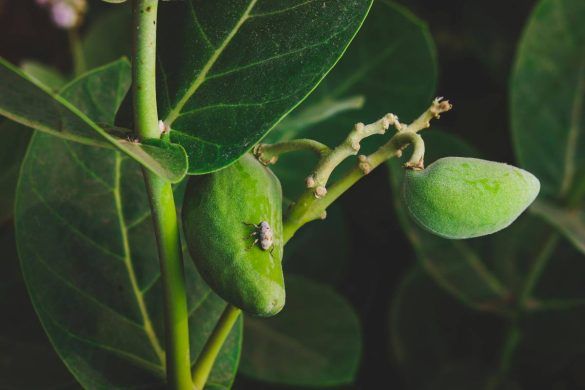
(547, 95)
(321, 251)
(44, 74)
(90, 262)
(570, 222)
(437, 343)
(314, 341)
(391, 63)
(108, 37)
(88, 253)
(23, 344)
(230, 70)
(35, 106)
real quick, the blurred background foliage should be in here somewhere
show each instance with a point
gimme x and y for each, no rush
(375, 302)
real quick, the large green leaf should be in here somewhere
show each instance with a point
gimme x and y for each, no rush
(32, 104)
(23, 344)
(89, 258)
(314, 341)
(391, 63)
(547, 95)
(231, 69)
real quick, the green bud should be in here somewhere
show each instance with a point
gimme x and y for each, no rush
(459, 197)
(241, 262)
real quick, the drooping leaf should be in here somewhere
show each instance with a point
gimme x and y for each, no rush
(35, 106)
(314, 341)
(391, 64)
(46, 75)
(547, 95)
(230, 70)
(454, 265)
(90, 262)
(15, 139)
(23, 344)
(88, 253)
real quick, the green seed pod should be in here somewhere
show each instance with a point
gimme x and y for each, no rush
(457, 197)
(233, 226)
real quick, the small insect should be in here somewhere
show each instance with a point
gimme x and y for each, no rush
(263, 234)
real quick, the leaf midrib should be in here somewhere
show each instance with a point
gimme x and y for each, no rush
(147, 323)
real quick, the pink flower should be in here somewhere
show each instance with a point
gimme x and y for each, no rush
(64, 14)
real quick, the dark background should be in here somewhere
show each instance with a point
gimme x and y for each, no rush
(476, 42)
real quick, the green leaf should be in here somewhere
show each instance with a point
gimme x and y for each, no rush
(391, 63)
(230, 70)
(44, 74)
(23, 344)
(314, 341)
(108, 37)
(547, 95)
(15, 139)
(35, 106)
(436, 342)
(569, 222)
(454, 265)
(88, 253)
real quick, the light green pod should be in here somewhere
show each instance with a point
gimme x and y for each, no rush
(458, 197)
(219, 212)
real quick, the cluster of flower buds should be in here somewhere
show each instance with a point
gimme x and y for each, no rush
(66, 14)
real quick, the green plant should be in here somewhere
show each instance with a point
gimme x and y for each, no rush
(223, 92)
(458, 197)
(222, 215)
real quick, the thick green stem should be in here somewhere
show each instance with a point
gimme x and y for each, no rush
(162, 203)
(178, 363)
(206, 359)
(144, 68)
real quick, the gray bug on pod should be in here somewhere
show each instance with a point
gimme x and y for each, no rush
(263, 234)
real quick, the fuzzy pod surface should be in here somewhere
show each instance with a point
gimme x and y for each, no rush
(218, 213)
(457, 197)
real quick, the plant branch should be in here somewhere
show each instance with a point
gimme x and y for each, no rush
(537, 269)
(162, 203)
(350, 147)
(269, 153)
(206, 359)
(77, 55)
(309, 208)
(313, 203)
